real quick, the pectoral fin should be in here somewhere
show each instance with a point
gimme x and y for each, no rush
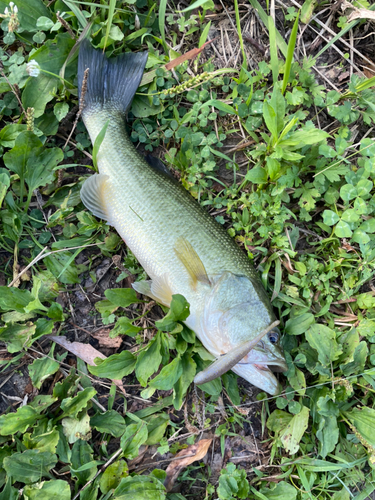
(190, 259)
(157, 289)
(93, 194)
(230, 359)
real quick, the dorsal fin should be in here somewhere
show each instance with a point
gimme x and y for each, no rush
(158, 165)
(93, 194)
(190, 259)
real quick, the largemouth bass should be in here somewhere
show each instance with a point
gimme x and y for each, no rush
(181, 247)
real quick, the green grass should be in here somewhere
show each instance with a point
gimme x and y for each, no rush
(299, 200)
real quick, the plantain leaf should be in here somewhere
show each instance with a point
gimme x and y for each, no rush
(122, 297)
(115, 367)
(294, 431)
(29, 466)
(148, 362)
(112, 476)
(56, 489)
(299, 324)
(135, 435)
(41, 369)
(76, 428)
(323, 339)
(363, 420)
(25, 417)
(72, 406)
(109, 422)
(140, 488)
(179, 311)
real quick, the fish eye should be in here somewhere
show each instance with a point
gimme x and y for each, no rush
(273, 337)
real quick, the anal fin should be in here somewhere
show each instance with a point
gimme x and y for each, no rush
(144, 288)
(93, 194)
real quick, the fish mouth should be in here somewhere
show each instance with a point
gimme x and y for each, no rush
(258, 368)
(264, 359)
(279, 366)
(260, 376)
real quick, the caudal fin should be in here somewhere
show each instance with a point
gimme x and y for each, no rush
(111, 82)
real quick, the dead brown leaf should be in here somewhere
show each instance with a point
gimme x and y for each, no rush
(188, 55)
(86, 352)
(344, 76)
(132, 464)
(358, 13)
(102, 336)
(191, 54)
(368, 69)
(346, 246)
(188, 456)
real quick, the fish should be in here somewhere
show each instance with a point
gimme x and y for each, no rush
(181, 247)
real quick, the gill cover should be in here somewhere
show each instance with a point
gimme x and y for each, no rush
(234, 313)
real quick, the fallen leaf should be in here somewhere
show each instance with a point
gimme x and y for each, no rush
(287, 264)
(86, 352)
(347, 246)
(132, 464)
(148, 77)
(188, 55)
(343, 76)
(332, 73)
(361, 14)
(368, 69)
(368, 73)
(102, 336)
(188, 456)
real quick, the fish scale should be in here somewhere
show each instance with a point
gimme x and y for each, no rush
(151, 229)
(181, 247)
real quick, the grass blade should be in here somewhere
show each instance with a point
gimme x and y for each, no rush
(74, 52)
(340, 34)
(262, 14)
(238, 23)
(77, 12)
(202, 41)
(289, 56)
(162, 11)
(98, 141)
(112, 6)
(278, 276)
(204, 35)
(273, 50)
(194, 5)
(72, 258)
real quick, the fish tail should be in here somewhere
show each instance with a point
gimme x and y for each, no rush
(111, 83)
